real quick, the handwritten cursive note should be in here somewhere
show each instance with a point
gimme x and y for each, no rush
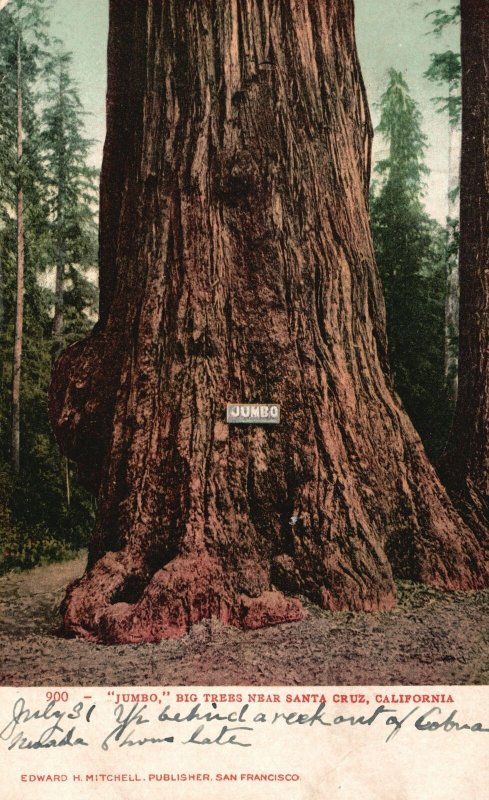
(141, 724)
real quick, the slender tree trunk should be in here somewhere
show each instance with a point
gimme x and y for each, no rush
(19, 308)
(452, 291)
(466, 462)
(66, 465)
(2, 322)
(2, 292)
(237, 266)
(58, 321)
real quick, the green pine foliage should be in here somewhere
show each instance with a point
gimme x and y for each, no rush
(411, 249)
(44, 513)
(442, 18)
(445, 68)
(72, 187)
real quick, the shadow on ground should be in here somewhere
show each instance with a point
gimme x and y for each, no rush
(431, 638)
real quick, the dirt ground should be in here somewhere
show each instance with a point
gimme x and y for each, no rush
(431, 638)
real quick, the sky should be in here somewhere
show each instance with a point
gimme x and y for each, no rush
(395, 33)
(82, 25)
(390, 33)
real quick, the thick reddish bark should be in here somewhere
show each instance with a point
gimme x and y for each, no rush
(237, 265)
(466, 463)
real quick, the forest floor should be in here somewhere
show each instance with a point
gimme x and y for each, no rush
(431, 638)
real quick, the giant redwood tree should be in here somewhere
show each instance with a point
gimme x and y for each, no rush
(466, 465)
(237, 266)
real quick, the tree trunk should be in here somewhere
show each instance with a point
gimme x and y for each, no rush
(58, 320)
(2, 290)
(452, 290)
(66, 464)
(19, 308)
(237, 266)
(3, 423)
(466, 462)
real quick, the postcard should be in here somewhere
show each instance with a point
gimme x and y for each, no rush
(244, 399)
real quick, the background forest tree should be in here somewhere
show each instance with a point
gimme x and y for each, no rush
(44, 513)
(445, 72)
(465, 464)
(411, 251)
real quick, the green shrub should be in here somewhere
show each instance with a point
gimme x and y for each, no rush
(30, 548)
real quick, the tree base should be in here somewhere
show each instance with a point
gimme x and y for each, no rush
(108, 605)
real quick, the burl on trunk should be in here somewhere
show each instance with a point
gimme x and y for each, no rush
(237, 266)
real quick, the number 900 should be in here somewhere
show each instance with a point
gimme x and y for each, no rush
(57, 696)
